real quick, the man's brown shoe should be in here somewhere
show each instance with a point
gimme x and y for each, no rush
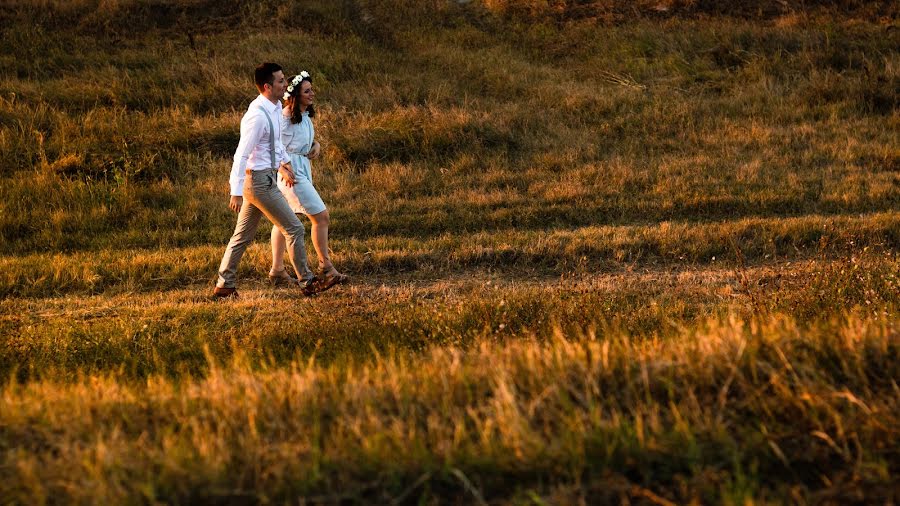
(223, 293)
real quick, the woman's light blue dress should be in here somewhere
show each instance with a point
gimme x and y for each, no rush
(298, 141)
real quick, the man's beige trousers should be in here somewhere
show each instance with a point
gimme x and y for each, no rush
(262, 197)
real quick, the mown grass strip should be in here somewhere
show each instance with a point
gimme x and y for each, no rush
(541, 253)
(170, 333)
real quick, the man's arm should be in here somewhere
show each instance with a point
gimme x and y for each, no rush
(287, 173)
(280, 151)
(251, 132)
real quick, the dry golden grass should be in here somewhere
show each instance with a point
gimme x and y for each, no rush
(639, 252)
(597, 416)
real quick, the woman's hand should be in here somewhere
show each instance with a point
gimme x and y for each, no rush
(314, 151)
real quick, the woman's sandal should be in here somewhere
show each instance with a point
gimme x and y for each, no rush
(310, 287)
(326, 281)
(282, 278)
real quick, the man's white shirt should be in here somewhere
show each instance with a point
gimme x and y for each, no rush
(253, 149)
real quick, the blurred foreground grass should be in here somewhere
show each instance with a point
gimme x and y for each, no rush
(724, 412)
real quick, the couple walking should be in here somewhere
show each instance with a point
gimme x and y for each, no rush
(271, 176)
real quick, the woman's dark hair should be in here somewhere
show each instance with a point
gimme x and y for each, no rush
(296, 114)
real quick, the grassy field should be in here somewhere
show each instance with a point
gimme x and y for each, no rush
(608, 252)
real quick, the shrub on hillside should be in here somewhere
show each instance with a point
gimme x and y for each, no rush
(377, 19)
(119, 16)
(622, 10)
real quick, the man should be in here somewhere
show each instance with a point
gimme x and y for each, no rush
(260, 156)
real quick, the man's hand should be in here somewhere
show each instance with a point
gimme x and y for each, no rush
(236, 203)
(287, 173)
(315, 151)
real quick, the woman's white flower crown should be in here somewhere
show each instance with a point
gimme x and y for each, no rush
(294, 83)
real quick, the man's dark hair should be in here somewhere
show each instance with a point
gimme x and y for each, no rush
(265, 75)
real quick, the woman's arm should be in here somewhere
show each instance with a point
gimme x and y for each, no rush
(314, 151)
(287, 131)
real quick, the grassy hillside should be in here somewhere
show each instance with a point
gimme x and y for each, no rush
(601, 252)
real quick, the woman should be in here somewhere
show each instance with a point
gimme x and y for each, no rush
(297, 135)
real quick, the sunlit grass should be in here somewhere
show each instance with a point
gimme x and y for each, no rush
(595, 414)
(600, 253)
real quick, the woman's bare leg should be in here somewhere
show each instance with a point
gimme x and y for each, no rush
(320, 240)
